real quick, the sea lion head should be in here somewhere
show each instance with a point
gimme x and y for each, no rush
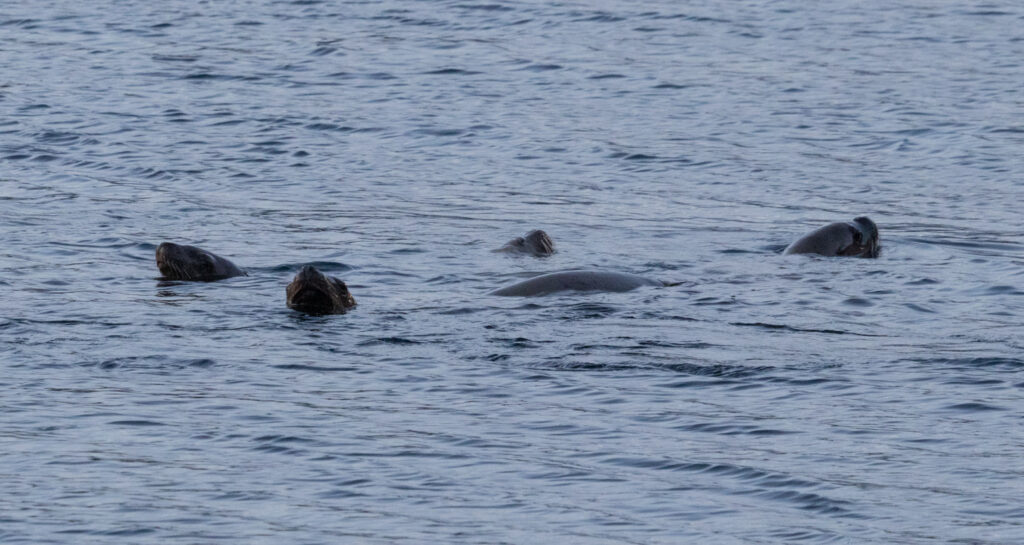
(178, 262)
(313, 292)
(865, 238)
(535, 242)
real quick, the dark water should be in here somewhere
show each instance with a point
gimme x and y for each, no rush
(395, 144)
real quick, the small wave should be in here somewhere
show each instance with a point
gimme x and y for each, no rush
(461, 311)
(720, 371)
(58, 137)
(451, 72)
(986, 13)
(328, 127)
(211, 76)
(126, 532)
(519, 342)
(438, 132)
(282, 439)
(175, 58)
(389, 341)
(154, 362)
(1002, 290)
(23, 23)
(485, 7)
(858, 302)
(732, 429)
(541, 67)
(686, 17)
(410, 20)
(801, 329)
(318, 368)
(712, 370)
(1004, 246)
(974, 362)
(325, 266)
(600, 18)
(975, 406)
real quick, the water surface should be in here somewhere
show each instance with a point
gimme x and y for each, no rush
(765, 399)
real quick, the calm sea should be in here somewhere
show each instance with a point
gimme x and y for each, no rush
(765, 399)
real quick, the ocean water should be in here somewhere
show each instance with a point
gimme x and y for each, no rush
(395, 144)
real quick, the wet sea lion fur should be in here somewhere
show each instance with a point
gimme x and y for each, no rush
(313, 292)
(577, 281)
(182, 262)
(536, 243)
(858, 238)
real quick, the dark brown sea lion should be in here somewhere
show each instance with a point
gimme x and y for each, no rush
(536, 243)
(577, 281)
(858, 238)
(313, 292)
(178, 262)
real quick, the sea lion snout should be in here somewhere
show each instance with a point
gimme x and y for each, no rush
(313, 292)
(162, 249)
(869, 235)
(539, 242)
(536, 243)
(163, 254)
(309, 273)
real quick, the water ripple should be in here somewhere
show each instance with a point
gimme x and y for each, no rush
(761, 398)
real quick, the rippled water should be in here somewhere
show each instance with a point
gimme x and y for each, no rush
(765, 399)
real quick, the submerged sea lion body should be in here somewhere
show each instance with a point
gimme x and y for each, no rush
(858, 238)
(313, 292)
(536, 243)
(577, 281)
(180, 262)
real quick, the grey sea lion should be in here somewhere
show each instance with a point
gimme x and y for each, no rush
(536, 243)
(857, 238)
(180, 262)
(577, 281)
(313, 292)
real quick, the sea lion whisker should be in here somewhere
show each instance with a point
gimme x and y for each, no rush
(536, 243)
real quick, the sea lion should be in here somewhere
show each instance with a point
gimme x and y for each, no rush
(536, 243)
(858, 238)
(178, 262)
(577, 281)
(313, 292)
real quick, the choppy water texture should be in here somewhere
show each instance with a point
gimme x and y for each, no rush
(765, 399)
